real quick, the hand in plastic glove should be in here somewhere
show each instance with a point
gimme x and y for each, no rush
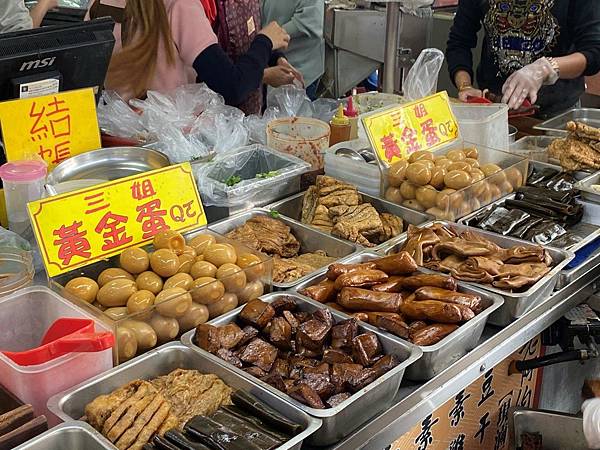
(465, 93)
(282, 62)
(526, 82)
(278, 76)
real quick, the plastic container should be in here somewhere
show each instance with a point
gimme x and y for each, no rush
(17, 270)
(24, 318)
(23, 183)
(366, 177)
(485, 125)
(340, 127)
(534, 148)
(302, 137)
(154, 323)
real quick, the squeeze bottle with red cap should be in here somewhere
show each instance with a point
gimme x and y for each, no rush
(340, 127)
(352, 115)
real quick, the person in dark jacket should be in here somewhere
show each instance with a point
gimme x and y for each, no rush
(535, 49)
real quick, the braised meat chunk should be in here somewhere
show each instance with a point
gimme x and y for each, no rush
(268, 235)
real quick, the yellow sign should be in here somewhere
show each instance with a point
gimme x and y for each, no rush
(54, 127)
(77, 228)
(397, 132)
(478, 417)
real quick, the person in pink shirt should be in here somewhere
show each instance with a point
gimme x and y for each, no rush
(163, 44)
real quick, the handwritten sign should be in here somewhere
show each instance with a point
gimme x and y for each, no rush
(397, 132)
(54, 127)
(77, 228)
(478, 416)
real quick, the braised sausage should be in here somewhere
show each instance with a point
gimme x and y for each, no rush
(322, 292)
(416, 325)
(399, 264)
(460, 298)
(335, 306)
(432, 334)
(422, 279)
(466, 312)
(360, 278)
(335, 270)
(394, 325)
(433, 310)
(374, 316)
(363, 316)
(393, 284)
(357, 299)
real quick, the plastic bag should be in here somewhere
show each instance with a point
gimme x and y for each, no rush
(246, 176)
(10, 239)
(116, 118)
(257, 125)
(291, 101)
(591, 422)
(325, 108)
(413, 6)
(421, 80)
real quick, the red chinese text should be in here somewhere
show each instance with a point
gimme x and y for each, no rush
(71, 242)
(51, 129)
(113, 231)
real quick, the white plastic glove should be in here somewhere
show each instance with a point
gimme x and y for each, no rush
(526, 82)
(591, 422)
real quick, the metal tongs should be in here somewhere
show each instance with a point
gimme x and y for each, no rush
(526, 109)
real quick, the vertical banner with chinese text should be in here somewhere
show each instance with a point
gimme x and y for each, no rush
(477, 417)
(398, 131)
(77, 228)
(54, 127)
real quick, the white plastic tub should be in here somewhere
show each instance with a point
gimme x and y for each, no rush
(25, 316)
(366, 177)
(485, 125)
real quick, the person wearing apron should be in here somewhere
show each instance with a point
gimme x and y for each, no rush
(164, 44)
(539, 50)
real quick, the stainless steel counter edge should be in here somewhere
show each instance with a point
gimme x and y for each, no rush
(408, 412)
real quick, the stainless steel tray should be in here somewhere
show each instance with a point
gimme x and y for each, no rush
(340, 421)
(558, 125)
(70, 404)
(292, 207)
(442, 355)
(585, 186)
(310, 239)
(559, 431)
(69, 435)
(515, 304)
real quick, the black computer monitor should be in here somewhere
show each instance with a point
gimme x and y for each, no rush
(63, 58)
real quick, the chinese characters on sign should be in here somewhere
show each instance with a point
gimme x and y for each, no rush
(477, 417)
(423, 125)
(79, 227)
(53, 127)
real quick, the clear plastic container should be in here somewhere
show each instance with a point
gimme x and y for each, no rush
(302, 137)
(366, 177)
(485, 125)
(16, 270)
(154, 326)
(23, 183)
(25, 316)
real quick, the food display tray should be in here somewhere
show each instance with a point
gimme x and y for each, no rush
(558, 125)
(559, 431)
(310, 239)
(340, 421)
(515, 303)
(585, 186)
(69, 435)
(441, 355)
(70, 405)
(292, 207)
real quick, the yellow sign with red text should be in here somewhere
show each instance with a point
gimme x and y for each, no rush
(397, 132)
(54, 127)
(77, 228)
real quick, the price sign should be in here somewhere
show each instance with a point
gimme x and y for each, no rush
(54, 127)
(397, 132)
(77, 228)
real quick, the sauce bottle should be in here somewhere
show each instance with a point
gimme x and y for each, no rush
(340, 127)
(352, 115)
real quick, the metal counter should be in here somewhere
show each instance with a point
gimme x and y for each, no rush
(414, 402)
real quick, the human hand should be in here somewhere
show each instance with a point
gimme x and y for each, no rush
(278, 76)
(277, 35)
(49, 4)
(526, 83)
(282, 62)
(465, 93)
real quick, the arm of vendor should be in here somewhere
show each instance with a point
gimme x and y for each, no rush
(14, 16)
(535, 50)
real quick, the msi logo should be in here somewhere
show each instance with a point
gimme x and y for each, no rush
(37, 64)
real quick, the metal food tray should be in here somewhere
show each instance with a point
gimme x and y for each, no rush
(292, 207)
(69, 435)
(585, 186)
(71, 403)
(340, 421)
(515, 303)
(446, 352)
(559, 431)
(310, 239)
(558, 125)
